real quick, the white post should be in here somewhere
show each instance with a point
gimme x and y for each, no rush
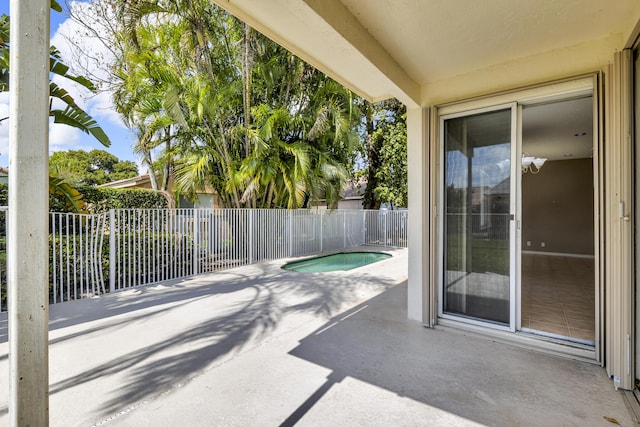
(385, 227)
(290, 232)
(321, 236)
(251, 220)
(364, 227)
(112, 250)
(196, 242)
(28, 259)
(344, 229)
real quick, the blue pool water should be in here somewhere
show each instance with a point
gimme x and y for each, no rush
(341, 261)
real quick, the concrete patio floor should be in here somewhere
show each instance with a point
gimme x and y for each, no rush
(261, 346)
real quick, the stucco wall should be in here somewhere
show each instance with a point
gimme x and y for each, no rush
(557, 208)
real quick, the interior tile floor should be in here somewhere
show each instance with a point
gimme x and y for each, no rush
(558, 296)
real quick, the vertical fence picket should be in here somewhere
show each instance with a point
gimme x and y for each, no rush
(3, 267)
(112, 250)
(52, 220)
(153, 245)
(196, 242)
(84, 286)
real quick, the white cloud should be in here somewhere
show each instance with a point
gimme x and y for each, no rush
(142, 168)
(81, 46)
(85, 54)
(101, 106)
(62, 137)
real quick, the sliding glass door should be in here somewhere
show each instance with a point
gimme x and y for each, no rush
(478, 209)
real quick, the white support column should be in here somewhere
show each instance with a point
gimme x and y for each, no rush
(418, 235)
(28, 214)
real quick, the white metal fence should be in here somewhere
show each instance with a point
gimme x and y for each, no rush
(77, 256)
(93, 254)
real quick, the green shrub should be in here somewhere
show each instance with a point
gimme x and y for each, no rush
(98, 200)
(102, 199)
(150, 260)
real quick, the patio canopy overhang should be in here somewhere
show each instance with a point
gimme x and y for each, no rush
(420, 52)
(429, 54)
(426, 52)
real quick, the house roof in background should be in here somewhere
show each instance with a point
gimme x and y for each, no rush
(128, 182)
(354, 190)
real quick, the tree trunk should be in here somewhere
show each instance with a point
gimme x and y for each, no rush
(369, 200)
(168, 167)
(247, 67)
(150, 170)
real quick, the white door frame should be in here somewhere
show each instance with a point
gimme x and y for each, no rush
(514, 164)
(556, 91)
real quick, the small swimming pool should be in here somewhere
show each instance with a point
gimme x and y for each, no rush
(341, 261)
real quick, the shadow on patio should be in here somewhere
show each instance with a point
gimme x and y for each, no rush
(112, 354)
(443, 377)
(262, 346)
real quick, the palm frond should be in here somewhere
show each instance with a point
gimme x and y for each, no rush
(56, 91)
(57, 67)
(192, 172)
(78, 118)
(171, 103)
(71, 196)
(56, 6)
(321, 123)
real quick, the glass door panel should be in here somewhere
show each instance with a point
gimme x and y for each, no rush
(477, 208)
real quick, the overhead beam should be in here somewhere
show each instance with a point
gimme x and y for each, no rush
(27, 255)
(326, 35)
(343, 21)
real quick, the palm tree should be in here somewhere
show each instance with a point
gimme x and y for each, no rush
(296, 144)
(226, 107)
(72, 114)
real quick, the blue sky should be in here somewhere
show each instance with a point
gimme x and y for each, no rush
(64, 137)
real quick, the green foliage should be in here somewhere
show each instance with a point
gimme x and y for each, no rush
(64, 192)
(98, 200)
(392, 175)
(90, 168)
(226, 107)
(72, 114)
(168, 244)
(4, 53)
(101, 199)
(385, 133)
